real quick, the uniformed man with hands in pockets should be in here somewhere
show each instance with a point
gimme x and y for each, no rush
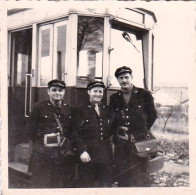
(132, 113)
(48, 170)
(94, 146)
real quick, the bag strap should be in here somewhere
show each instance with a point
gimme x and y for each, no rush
(59, 123)
(124, 171)
(132, 138)
(148, 134)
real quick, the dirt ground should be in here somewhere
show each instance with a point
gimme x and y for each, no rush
(172, 175)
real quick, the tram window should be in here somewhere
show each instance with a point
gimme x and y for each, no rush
(127, 51)
(59, 49)
(21, 56)
(46, 56)
(52, 54)
(90, 49)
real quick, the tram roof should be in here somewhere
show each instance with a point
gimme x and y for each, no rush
(22, 16)
(14, 11)
(148, 12)
(17, 10)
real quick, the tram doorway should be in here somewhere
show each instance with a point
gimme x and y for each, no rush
(19, 85)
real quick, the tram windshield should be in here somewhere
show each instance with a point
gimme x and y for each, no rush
(90, 49)
(126, 50)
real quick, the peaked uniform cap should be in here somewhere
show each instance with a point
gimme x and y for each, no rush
(56, 83)
(122, 70)
(95, 84)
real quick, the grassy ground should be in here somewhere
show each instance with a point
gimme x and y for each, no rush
(171, 131)
(173, 139)
(173, 179)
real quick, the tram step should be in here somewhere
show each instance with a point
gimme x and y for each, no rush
(19, 176)
(20, 167)
(23, 153)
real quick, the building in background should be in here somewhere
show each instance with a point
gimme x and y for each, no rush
(170, 96)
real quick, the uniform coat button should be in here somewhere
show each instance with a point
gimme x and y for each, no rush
(100, 123)
(127, 109)
(101, 128)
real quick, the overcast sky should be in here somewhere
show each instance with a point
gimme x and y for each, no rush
(174, 41)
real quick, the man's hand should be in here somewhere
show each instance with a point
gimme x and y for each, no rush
(122, 132)
(123, 128)
(85, 157)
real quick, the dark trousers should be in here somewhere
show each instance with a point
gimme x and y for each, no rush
(94, 175)
(134, 170)
(46, 173)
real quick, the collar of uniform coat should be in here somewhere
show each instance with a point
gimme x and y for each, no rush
(92, 105)
(129, 91)
(52, 103)
(134, 89)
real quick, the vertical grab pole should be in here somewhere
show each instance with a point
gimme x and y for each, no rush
(28, 91)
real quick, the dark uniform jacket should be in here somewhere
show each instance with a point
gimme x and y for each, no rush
(139, 115)
(48, 168)
(94, 133)
(42, 121)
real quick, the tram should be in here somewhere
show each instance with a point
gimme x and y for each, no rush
(76, 45)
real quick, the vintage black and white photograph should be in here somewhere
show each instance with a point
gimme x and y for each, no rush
(96, 96)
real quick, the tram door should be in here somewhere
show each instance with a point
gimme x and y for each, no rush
(52, 52)
(51, 56)
(51, 48)
(19, 105)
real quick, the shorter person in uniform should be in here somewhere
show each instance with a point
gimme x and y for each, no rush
(94, 146)
(48, 169)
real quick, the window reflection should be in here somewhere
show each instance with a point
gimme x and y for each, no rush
(21, 52)
(52, 54)
(61, 50)
(45, 63)
(127, 51)
(90, 49)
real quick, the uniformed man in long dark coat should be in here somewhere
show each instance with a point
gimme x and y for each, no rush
(94, 146)
(132, 112)
(48, 169)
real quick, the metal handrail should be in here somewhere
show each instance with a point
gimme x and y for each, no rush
(26, 91)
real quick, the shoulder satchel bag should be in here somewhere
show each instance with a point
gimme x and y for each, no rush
(66, 150)
(144, 148)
